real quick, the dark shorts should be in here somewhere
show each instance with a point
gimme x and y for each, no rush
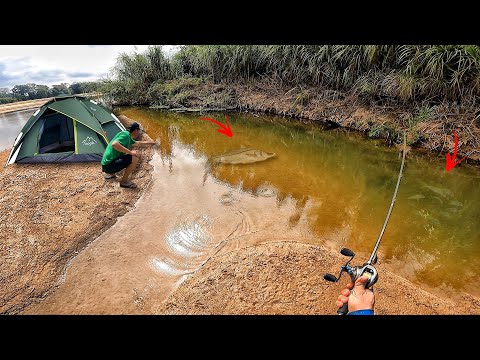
(118, 164)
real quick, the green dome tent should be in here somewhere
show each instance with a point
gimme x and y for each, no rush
(67, 128)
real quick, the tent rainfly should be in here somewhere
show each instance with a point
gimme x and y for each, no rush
(68, 128)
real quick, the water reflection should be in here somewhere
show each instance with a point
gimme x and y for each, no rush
(10, 126)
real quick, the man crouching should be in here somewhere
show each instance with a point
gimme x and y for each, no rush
(118, 156)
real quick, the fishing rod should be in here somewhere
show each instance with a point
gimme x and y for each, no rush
(367, 268)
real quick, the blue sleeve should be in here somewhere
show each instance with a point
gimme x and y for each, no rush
(361, 312)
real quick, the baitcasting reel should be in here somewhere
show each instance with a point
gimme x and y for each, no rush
(355, 272)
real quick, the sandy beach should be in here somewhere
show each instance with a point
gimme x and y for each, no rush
(22, 105)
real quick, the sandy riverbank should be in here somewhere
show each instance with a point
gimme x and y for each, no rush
(22, 105)
(48, 214)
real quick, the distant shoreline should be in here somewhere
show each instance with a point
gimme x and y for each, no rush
(23, 105)
(33, 104)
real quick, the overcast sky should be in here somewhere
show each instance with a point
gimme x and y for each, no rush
(56, 64)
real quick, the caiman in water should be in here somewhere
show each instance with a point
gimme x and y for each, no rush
(243, 156)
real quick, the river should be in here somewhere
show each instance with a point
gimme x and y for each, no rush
(10, 125)
(342, 184)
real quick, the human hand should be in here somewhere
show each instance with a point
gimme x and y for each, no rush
(358, 297)
(135, 153)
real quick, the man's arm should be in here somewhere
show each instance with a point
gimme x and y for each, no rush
(142, 143)
(119, 147)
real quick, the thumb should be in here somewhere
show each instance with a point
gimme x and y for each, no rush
(360, 283)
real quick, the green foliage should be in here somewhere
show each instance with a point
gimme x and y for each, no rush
(7, 100)
(42, 91)
(412, 120)
(160, 92)
(84, 87)
(369, 84)
(57, 90)
(384, 131)
(375, 131)
(33, 91)
(425, 113)
(221, 99)
(407, 73)
(135, 73)
(21, 92)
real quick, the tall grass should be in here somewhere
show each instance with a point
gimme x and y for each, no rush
(403, 73)
(135, 73)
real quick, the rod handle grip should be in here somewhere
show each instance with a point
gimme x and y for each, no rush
(343, 310)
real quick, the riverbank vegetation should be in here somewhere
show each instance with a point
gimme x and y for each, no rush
(381, 90)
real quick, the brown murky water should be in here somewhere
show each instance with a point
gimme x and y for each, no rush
(322, 187)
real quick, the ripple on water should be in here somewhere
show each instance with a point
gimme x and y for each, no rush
(170, 266)
(189, 239)
(189, 245)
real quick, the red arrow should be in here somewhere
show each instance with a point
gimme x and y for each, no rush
(451, 163)
(224, 129)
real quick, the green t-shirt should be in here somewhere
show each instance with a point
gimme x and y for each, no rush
(110, 154)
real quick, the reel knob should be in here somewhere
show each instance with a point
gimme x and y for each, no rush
(330, 277)
(347, 252)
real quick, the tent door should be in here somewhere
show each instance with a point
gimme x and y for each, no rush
(56, 134)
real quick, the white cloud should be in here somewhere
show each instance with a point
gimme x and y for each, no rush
(54, 64)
